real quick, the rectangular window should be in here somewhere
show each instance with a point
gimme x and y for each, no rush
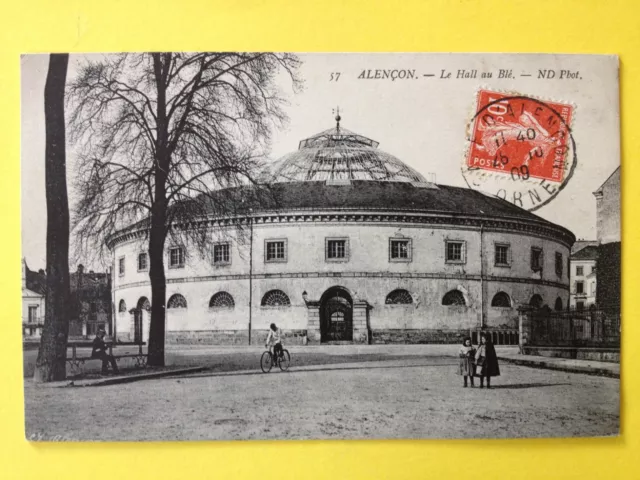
(536, 259)
(176, 257)
(593, 269)
(221, 254)
(399, 250)
(579, 287)
(121, 266)
(502, 255)
(579, 305)
(33, 313)
(275, 250)
(559, 264)
(454, 251)
(142, 262)
(336, 249)
(94, 307)
(579, 271)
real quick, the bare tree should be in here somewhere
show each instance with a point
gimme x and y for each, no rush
(52, 355)
(161, 137)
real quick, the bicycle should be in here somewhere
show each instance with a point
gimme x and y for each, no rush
(268, 360)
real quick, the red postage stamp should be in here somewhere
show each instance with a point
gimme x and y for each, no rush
(520, 136)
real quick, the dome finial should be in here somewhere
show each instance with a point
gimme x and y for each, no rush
(338, 118)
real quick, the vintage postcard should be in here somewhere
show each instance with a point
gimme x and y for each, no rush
(233, 245)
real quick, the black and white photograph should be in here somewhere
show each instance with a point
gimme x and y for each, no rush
(287, 246)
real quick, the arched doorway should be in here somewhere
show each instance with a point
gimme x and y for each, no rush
(336, 315)
(536, 301)
(138, 313)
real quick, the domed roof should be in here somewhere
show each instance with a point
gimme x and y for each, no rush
(339, 155)
(340, 171)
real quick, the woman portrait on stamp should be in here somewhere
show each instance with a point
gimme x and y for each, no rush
(466, 366)
(486, 361)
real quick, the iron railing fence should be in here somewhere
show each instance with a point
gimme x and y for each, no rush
(576, 328)
(499, 336)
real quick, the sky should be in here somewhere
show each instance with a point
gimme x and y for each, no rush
(422, 121)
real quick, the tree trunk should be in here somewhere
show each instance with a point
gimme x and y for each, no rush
(52, 355)
(158, 229)
(158, 290)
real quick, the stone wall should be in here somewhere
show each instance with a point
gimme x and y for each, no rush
(230, 337)
(421, 336)
(608, 209)
(368, 275)
(296, 337)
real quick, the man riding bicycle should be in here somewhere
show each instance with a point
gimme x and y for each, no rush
(274, 338)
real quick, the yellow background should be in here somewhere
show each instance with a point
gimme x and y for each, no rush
(573, 26)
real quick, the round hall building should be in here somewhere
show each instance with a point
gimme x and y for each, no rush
(357, 247)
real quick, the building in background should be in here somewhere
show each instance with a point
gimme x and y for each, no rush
(90, 303)
(583, 274)
(608, 262)
(356, 247)
(33, 303)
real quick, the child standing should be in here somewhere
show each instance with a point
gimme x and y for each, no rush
(467, 355)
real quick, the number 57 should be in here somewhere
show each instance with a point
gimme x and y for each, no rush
(334, 76)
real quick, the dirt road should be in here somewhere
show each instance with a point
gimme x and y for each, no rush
(392, 394)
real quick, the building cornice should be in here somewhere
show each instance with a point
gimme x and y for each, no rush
(408, 217)
(395, 275)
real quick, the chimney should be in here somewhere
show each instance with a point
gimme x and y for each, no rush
(432, 177)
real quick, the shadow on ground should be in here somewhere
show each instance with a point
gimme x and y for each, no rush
(516, 386)
(321, 368)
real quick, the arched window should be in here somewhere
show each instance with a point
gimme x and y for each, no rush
(221, 300)
(399, 297)
(454, 297)
(122, 306)
(177, 301)
(275, 298)
(143, 303)
(536, 301)
(501, 299)
(558, 305)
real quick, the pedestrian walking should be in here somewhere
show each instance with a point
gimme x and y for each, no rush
(466, 366)
(486, 361)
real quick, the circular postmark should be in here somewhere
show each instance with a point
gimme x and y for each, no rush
(520, 148)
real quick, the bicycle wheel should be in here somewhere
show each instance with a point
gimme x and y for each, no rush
(266, 362)
(285, 360)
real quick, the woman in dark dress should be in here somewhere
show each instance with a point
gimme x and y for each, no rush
(486, 361)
